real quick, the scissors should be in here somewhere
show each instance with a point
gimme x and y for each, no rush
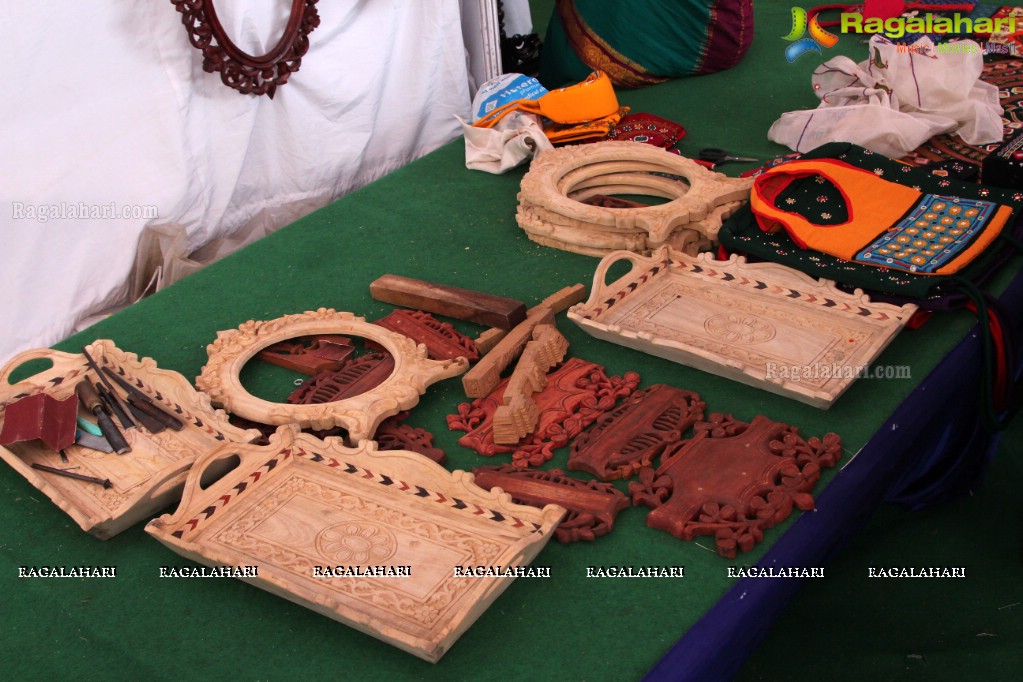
(717, 156)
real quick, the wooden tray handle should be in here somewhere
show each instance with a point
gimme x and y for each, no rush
(246, 453)
(55, 356)
(600, 286)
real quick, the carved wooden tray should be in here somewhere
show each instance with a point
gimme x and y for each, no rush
(761, 324)
(144, 480)
(359, 414)
(301, 505)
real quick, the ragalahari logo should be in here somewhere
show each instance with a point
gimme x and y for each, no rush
(819, 37)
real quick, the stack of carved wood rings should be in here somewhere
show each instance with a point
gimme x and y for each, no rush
(553, 210)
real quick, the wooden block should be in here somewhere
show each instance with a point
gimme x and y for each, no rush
(309, 355)
(481, 379)
(462, 304)
(563, 299)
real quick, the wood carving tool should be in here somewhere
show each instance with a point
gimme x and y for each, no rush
(90, 399)
(440, 299)
(105, 482)
(87, 440)
(144, 403)
(113, 406)
(127, 422)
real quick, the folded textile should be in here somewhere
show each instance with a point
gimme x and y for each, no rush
(897, 100)
(510, 143)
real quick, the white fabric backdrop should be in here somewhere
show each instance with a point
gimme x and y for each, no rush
(106, 108)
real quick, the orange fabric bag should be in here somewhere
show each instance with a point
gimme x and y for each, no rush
(889, 225)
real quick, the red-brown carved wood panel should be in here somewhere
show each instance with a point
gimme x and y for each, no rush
(443, 341)
(734, 480)
(639, 429)
(355, 377)
(309, 354)
(592, 506)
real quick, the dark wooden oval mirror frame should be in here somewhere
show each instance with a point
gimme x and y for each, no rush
(246, 73)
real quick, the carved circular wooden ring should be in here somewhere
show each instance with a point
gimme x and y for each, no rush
(557, 178)
(246, 73)
(361, 414)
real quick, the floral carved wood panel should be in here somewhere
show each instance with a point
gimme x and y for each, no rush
(734, 480)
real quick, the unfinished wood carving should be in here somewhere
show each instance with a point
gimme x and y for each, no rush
(558, 301)
(360, 414)
(761, 324)
(556, 207)
(246, 73)
(733, 481)
(142, 481)
(592, 506)
(376, 540)
(629, 437)
(577, 394)
(394, 434)
(517, 415)
(485, 375)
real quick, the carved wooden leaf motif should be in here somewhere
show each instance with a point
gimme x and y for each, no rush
(592, 506)
(577, 393)
(246, 73)
(733, 481)
(629, 437)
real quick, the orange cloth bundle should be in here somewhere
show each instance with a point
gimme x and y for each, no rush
(591, 100)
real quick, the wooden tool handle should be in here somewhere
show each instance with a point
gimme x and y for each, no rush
(88, 395)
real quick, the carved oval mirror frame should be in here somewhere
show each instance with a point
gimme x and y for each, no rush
(246, 73)
(361, 414)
